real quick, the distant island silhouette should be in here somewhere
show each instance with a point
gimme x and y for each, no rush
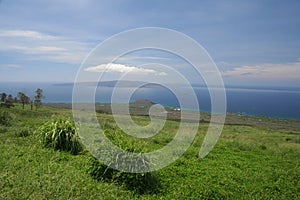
(143, 102)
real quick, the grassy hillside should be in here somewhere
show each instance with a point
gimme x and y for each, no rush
(248, 162)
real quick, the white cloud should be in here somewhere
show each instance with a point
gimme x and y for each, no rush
(143, 58)
(266, 71)
(40, 46)
(15, 66)
(121, 68)
(26, 34)
(37, 49)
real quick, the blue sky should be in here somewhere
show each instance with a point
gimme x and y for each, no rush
(252, 42)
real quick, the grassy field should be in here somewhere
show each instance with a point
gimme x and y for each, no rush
(250, 161)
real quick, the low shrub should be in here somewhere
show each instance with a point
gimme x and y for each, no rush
(61, 134)
(123, 159)
(6, 104)
(3, 129)
(24, 132)
(5, 118)
(138, 182)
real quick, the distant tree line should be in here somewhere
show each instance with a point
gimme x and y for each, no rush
(9, 101)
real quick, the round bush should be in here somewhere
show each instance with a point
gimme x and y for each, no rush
(61, 134)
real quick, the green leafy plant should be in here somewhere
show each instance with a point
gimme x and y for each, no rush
(61, 134)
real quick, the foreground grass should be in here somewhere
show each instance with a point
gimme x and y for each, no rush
(247, 163)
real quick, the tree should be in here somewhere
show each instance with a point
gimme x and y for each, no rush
(23, 99)
(38, 98)
(31, 105)
(10, 99)
(3, 97)
(27, 100)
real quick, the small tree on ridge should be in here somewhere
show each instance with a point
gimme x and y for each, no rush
(38, 98)
(23, 99)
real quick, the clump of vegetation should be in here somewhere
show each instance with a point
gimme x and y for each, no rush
(5, 118)
(138, 182)
(124, 160)
(61, 134)
(6, 105)
(3, 129)
(24, 132)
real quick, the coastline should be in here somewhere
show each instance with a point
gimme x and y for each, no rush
(265, 122)
(274, 102)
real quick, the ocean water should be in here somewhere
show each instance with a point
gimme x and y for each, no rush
(270, 102)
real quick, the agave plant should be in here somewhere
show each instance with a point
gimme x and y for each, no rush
(61, 134)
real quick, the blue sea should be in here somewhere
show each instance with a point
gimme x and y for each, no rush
(258, 101)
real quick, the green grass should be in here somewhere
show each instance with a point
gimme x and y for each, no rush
(247, 163)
